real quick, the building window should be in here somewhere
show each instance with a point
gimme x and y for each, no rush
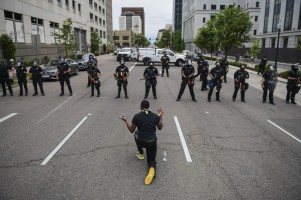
(104, 23)
(104, 34)
(238, 6)
(125, 37)
(95, 6)
(285, 42)
(254, 32)
(266, 16)
(96, 19)
(116, 37)
(204, 19)
(257, 4)
(256, 18)
(14, 26)
(37, 28)
(91, 17)
(73, 4)
(100, 21)
(222, 7)
(276, 16)
(99, 9)
(213, 7)
(263, 43)
(90, 2)
(289, 15)
(103, 11)
(204, 6)
(100, 34)
(54, 28)
(67, 2)
(230, 6)
(273, 42)
(91, 29)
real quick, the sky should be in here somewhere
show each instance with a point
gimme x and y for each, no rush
(157, 14)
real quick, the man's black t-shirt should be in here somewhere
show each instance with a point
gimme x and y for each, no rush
(146, 126)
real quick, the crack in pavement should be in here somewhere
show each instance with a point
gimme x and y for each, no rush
(25, 164)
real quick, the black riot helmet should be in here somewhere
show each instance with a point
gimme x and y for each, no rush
(122, 62)
(271, 67)
(218, 64)
(91, 57)
(294, 68)
(20, 63)
(34, 63)
(188, 61)
(200, 62)
(4, 62)
(242, 66)
(205, 63)
(151, 64)
(165, 54)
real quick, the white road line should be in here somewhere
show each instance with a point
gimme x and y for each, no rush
(63, 142)
(298, 140)
(184, 145)
(48, 114)
(7, 117)
(132, 66)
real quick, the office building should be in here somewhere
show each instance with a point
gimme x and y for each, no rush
(177, 15)
(135, 11)
(31, 24)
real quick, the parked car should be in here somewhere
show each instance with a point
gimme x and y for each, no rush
(116, 51)
(51, 68)
(187, 53)
(82, 63)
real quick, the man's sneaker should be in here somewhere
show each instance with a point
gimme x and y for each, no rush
(150, 176)
(140, 156)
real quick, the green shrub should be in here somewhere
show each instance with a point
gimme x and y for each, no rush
(8, 47)
(72, 56)
(285, 74)
(209, 58)
(46, 59)
(27, 63)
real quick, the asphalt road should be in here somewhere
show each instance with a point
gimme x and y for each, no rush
(236, 152)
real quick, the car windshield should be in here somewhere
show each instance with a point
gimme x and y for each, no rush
(52, 63)
(85, 57)
(125, 50)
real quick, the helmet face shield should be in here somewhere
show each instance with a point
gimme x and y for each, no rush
(271, 68)
(122, 62)
(34, 63)
(189, 62)
(19, 64)
(151, 64)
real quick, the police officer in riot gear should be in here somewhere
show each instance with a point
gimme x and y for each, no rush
(292, 84)
(268, 83)
(21, 75)
(4, 78)
(90, 66)
(225, 67)
(150, 74)
(121, 75)
(36, 74)
(187, 73)
(203, 71)
(240, 77)
(262, 65)
(217, 75)
(95, 82)
(62, 74)
(165, 64)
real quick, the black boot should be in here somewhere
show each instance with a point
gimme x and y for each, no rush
(118, 96)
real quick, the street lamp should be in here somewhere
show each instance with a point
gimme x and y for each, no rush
(279, 29)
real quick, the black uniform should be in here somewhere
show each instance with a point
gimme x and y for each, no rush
(217, 74)
(4, 78)
(36, 74)
(240, 77)
(269, 84)
(21, 75)
(187, 79)
(292, 87)
(225, 67)
(64, 76)
(94, 76)
(165, 64)
(203, 71)
(90, 65)
(120, 75)
(150, 74)
(262, 65)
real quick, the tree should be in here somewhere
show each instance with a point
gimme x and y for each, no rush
(232, 27)
(299, 42)
(8, 47)
(177, 41)
(164, 40)
(141, 41)
(66, 36)
(95, 42)
(205, 38)
(255, 50)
